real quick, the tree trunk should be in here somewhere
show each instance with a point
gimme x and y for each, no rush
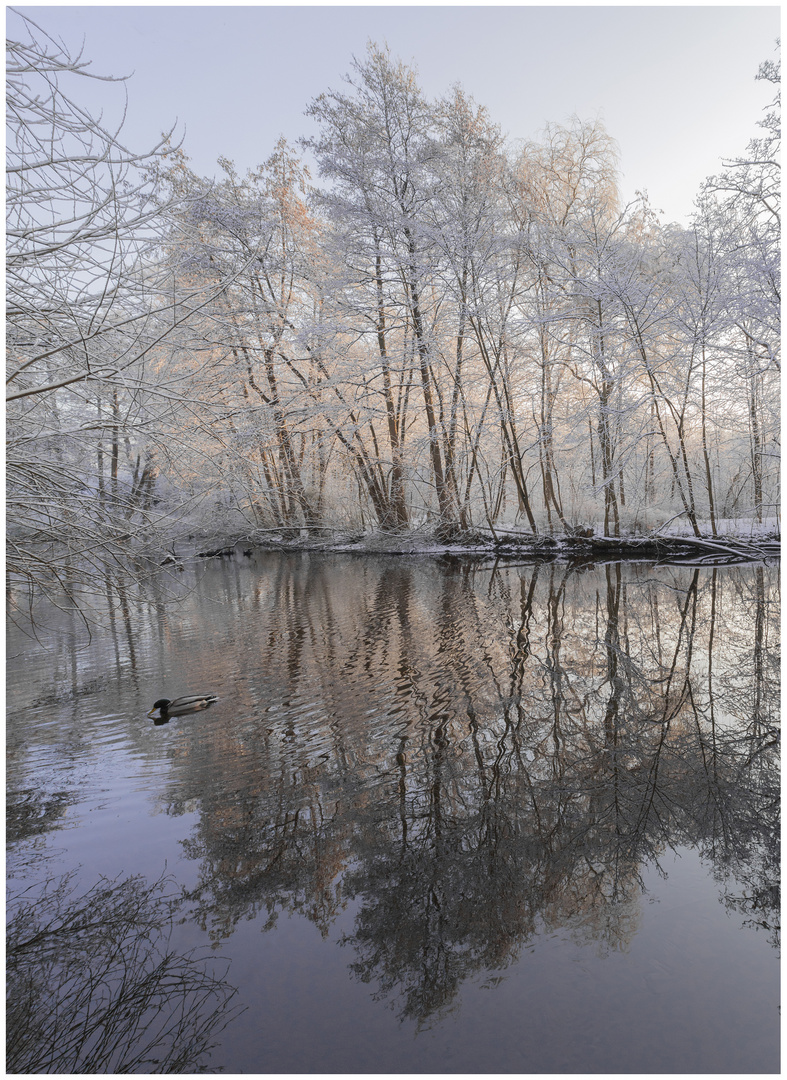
(398, 514)
(445, 501)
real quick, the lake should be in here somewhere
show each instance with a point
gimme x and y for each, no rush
(447, 815)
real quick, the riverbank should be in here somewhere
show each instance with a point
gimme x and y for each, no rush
(508, 543)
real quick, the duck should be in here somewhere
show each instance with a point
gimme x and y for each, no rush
(182, 705)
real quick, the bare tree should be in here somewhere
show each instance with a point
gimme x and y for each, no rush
(375, 146)
(441, 323)
(88, 308)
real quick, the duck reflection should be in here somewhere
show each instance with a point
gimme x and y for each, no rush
(474, 753)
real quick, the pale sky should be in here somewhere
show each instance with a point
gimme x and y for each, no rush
(674, 85)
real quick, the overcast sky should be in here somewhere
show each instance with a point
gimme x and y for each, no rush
(675, 86)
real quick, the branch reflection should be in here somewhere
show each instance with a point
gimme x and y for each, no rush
(93, 987)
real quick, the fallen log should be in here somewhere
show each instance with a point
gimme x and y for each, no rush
(743, 548)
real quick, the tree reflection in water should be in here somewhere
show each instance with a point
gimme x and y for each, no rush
(92, 987)
(484, 754)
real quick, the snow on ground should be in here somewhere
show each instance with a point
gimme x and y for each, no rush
(744, 528)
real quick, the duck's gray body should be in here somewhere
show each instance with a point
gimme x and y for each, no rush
(180, 706)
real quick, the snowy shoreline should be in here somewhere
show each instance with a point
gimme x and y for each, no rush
(509, 543)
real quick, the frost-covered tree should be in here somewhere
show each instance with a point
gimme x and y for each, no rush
(376, 149)
(738, 217)
(563, 192)
(748, 192)
(256, 233)
(443, 329)
(88, 308)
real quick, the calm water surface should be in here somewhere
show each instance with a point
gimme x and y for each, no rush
(446, 816)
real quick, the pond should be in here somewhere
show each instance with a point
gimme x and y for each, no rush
(447, 815)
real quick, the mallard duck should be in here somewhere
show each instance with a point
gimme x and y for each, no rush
(182, 705)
